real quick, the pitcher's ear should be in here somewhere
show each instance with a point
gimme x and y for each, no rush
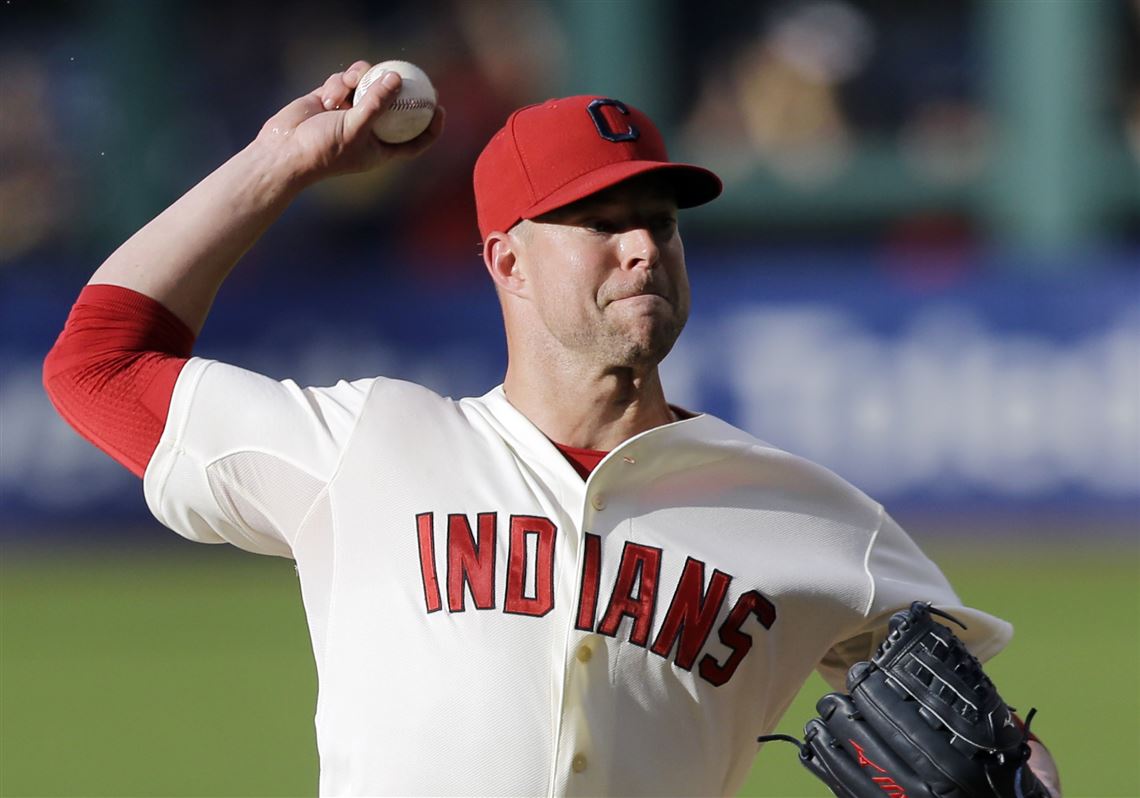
(501, 257)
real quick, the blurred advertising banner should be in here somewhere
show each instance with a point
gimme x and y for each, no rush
(1017, 390)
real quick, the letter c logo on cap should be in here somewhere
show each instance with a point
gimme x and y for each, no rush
(594, 109)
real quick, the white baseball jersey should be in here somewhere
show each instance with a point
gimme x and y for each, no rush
(485, 622)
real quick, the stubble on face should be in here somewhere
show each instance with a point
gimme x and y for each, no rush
(614, 317)
(640, 323)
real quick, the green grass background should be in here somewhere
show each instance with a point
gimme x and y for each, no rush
(185, 670)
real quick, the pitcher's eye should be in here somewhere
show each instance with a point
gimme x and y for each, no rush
(605, 226)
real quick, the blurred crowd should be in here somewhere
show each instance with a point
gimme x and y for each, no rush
(112, 108)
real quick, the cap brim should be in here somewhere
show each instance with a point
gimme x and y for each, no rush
(694, 185)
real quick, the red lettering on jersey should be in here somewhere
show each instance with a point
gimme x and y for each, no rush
(470, 563)
(591, 574)
(863, 760)
(640, 566)
(543, 530)
(425, 530)
(691, 613)
(750, 603)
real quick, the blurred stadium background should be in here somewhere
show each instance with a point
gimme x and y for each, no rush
(924, 273)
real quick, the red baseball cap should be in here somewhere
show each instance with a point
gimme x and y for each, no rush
(553, 153)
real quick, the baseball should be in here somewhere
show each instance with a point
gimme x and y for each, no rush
(411, 112)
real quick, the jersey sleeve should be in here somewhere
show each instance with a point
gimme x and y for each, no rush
(899, 573)
(243, 458)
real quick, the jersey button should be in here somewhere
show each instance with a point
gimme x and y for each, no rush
(579, 763)
(598, 502)
(584, 653)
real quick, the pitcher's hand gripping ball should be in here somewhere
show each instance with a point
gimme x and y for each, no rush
(411, 112)
(921, 720)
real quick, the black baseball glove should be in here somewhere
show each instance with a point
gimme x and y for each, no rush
(921, 719)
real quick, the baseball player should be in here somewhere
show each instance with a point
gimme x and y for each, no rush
(566, 586)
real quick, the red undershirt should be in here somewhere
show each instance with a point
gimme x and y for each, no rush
(583, 460)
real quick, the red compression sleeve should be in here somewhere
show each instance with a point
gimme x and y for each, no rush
(112, 371)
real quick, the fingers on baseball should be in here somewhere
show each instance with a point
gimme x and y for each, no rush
(354, 73)
(376, 100)
(358, 119)
(336, 91)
